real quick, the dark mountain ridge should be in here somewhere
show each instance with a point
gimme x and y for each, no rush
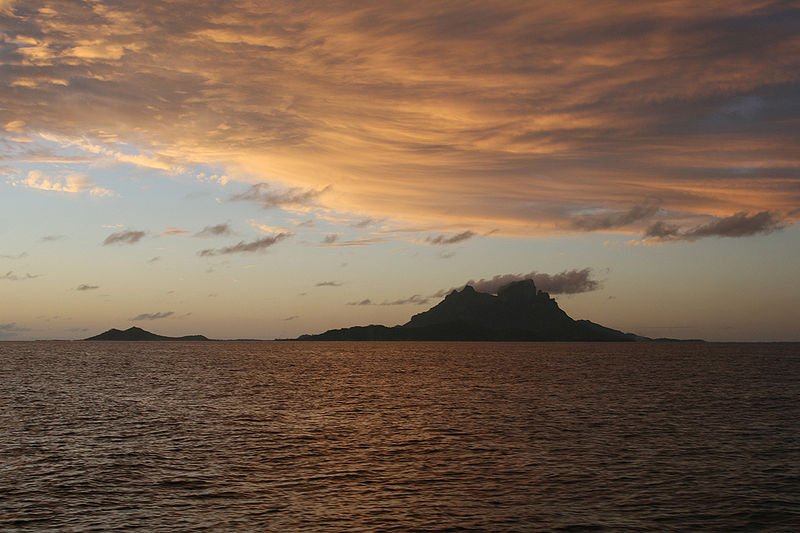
(519, 312)
(139, 334)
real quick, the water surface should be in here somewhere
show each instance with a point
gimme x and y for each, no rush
(399, 436)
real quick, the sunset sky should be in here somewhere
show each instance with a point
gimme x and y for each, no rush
(266, 169)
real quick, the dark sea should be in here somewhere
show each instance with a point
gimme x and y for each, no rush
(283, 436)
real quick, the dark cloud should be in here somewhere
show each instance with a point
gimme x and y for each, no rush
(566, 282)
(52, 238)
(18, 256)
(154, 259)
(330, 239)
(84, 287)
(741, 224)
(11, 276)
(415, 300)
(247, 247)
(329, 284)
(11, 329)
(615, 219)
(153, 316)
(215, 231)
(453, 239)
(124, 237)
(267, 198)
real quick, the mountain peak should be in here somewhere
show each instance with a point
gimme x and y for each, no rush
(519, 312)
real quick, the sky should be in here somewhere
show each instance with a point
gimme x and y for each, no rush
(252, 169)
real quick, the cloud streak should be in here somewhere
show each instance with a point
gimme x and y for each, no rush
(11, 276)
(269, 198)
(124, 237)
(85, 287)
(452, 239)
(257, 245)
(152, 316)
(741, 224)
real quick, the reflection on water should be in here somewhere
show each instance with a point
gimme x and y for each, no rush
(404, 436)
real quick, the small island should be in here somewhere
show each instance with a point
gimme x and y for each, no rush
(518, 312)
(139, 334)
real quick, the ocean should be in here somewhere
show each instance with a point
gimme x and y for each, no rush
(291, 436)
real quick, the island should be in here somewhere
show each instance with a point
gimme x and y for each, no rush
(139, 334)
(518, 312)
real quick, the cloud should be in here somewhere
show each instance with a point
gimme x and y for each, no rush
(367, 241)
(174, 231)
(616, 219)
(524, 113)
(415, 300)
(52, 238)
(328, 284)
(70, 183)
(566, 282)
(218, 230)
(247, 247)
(152, 316)
(364, 222)
(154, 259)
(11, 276)
(330, 238)
(11, 329)
(289, 318)
(267, 198)
(17, 256)
(453, 239)
(124, 237)
(84, 287)
(741, 224)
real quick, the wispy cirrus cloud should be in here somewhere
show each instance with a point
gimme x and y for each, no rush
(152, 316)
(329, 284)
(124, 237)
(257, 245)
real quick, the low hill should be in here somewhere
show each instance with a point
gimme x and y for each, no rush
(139, 334)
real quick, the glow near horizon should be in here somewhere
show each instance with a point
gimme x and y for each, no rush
(533, 137)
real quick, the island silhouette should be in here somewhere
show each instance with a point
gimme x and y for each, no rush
(518, 312)
(139, 334)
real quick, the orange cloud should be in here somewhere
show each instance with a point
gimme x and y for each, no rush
(517, 115)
